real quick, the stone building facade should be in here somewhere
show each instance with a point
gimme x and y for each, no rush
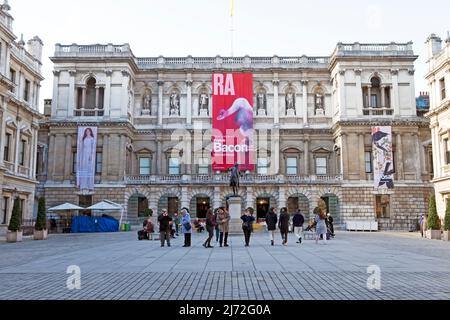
(313, 119)
(438, 78)
(20, 77)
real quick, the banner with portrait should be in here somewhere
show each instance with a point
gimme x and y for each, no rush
(383, 158)
(232, 134)
(86, 153)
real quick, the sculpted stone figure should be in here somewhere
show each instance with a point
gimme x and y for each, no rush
(174, 104)
(320, 110)
(147, 101)
(261, 99)
(290, 101)
(203, 102)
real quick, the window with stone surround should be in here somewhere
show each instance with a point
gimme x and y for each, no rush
(7, 148)
(447, 151)
(74, 162)
(263, 166)
(383, 206)
(144, 166)
(98, 163)
(203, 166)
(174, 166)
(22, 148)
(442, 88)
(321, 166)
(368, 161)
(26, 92)
(291, 166)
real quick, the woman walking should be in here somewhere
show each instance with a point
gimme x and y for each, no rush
(247, 225)
(283, 225)
(210, 226)
(271, 222)
(224, 226)
(321, 225)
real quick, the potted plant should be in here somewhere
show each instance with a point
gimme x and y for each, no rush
(149, 212)
(15, 232)
(447, 222)
(434, 224)
(40, 228)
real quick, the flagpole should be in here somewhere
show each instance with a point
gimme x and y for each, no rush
(232, 28)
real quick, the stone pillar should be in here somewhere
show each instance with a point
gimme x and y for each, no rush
(2, 131)
(38, 92)
(362, 162)
(31, 153)
(359, 92)
(51, 158)
(281, 198)
(276, 103)
(395, 103)
(106, 155)
(399, 163)
(235, 210)
(305, 102)
(16, 149)
(418, 165)
(107, 99)
(250, 198)
(83, 98)
(125, 81)
(369, 94)
(189, 101)
(71, 105)
(383, 96)
(276, 151)
(160, 102)
(306, 152)
(159, 168)
(342, 95)
(55, 92)
(97, 96)
(217, 202)
(122, 156)
(184, 197)
(68, 157)
(344, 156)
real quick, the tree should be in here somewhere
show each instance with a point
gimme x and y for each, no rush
(447, 217)
(41, 220)
(15, 222)
(433, 219)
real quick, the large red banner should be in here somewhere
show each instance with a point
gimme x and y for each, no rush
(232, 135)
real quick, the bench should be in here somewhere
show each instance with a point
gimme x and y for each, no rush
(362, 225)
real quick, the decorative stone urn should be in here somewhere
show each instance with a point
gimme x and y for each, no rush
(434, 234)
(40, 235)
(14, 236)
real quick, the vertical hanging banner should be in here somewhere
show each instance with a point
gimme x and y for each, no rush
(86, 152)
(232, 134)
(383, 159)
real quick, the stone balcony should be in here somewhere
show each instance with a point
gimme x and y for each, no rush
(223, 179)
(373, 49)
(378, 111)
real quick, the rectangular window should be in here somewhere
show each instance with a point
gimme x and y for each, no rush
(74, 162)
(38, 162)
(321, 166)
(12, 75)
(22, 152)
(383, 209)
(393, 162)
(7, 147)
(26, 93)
(442, 88)
(5, 210)
(368, 161)
(447, 151)
(291, 166)
(144, 166)
(98, 163)
(174, 166)
(374, 101)
(263, 166)
(203, 166)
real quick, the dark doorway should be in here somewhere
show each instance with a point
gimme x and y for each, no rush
(202, 207)
(172, 205)
(142, 206)
(293, 205)
(85, 201)
(262, 207)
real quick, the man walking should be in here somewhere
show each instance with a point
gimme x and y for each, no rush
(298, 221)
(186, 227)
(271, 222)
(165, 226)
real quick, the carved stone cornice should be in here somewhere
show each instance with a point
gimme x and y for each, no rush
(394, 72)
(56, 72)
(358, 72)
(382, 122)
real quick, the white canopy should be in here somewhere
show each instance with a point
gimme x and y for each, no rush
(66, 207)
(107, 205)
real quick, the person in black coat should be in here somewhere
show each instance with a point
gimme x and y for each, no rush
(330, 223)
(247, 225)
(298, 222)
(165, 226)
(283, 225)
(271, 222)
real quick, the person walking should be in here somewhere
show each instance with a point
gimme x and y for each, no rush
(283, 225)
(186, 227)
(210, 226)
(330, 222)
(321, 226)
(165, 224)
(216, 228)
(298, 222)
(247, 225)
(224, 226)
(271, 222)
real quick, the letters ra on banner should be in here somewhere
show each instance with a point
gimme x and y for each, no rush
(232, 136)
(383, 158)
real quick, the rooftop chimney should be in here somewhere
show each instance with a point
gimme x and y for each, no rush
(35, 47)
(434, 45)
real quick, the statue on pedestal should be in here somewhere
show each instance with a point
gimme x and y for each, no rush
(290, 101)
(174, 104)
(234, 179)
(147, 102)
(320, 110)
(203, 103)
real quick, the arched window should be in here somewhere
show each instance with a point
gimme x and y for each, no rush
(90, 93)
(90, 96)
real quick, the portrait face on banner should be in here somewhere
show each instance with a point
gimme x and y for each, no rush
(86, 153)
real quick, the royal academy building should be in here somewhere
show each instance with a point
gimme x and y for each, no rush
(20, 78)
(313, 119)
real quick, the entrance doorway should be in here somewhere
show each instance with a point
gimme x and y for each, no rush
(332, 202)
(172, 205)
(202, 207)
(262, 207)
(142, 206)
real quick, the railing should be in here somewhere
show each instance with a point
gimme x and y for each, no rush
(22, 55)
(9, 166)
(378, 112)
(23, 171)
(92, 50)
(374, 48)
(89, 112)
(224, 179)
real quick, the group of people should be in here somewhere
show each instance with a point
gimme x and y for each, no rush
(218, 224)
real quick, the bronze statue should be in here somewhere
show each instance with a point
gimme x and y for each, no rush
(234, 180)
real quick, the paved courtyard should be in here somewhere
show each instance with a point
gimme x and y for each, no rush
(117, 266)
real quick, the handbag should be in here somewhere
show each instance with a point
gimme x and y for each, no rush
(187, 226)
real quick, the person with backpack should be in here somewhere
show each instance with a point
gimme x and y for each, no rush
(298, 222)
(210, 226)
(247, 225)
(186, 227)
(271, 222)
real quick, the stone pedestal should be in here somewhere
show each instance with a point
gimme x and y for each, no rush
(204, 113)
(290, 113)
(235, 210)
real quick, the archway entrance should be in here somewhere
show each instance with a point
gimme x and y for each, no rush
(264, 202)
(332, 202)
(200, 205)
(298, 202)
(169, 202)
(137, 206)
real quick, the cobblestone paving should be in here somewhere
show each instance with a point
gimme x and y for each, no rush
(117, 266)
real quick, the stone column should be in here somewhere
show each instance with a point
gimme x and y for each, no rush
(395, 104)
(189, 101)
(399, 163)
(107, 99)
(31, 153)
(2, 131)
(125, 81)
(122, 156)
(305, 102)
(275, 151)
(184, 197)
(342, 95)
(418, 165)
(217, 202)
(359, 92)
(306, 152)
(16, 149)
(281, 197)
(51, 158)
(369, 94)
(83, 98)
(97, 96)
(106, 155)
(38, 92)
(344, 156)
(160, 102)
(71, 106)
(55, 92)
(159, 168)
(68, 157)
(250, 198)
(362, 162)
(276, 102)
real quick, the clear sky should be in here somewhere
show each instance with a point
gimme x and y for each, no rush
(201, 27)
